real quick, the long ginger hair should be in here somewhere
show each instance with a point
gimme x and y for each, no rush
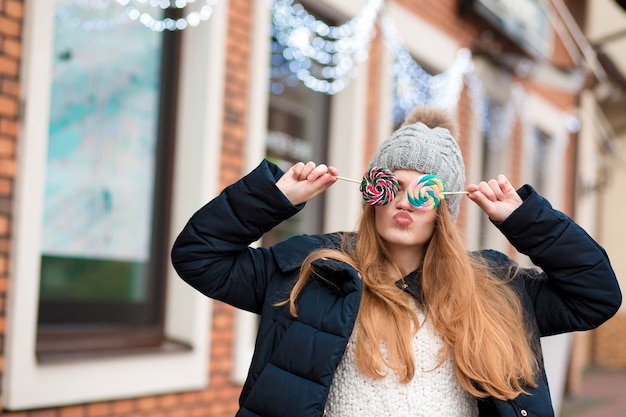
(478, 315)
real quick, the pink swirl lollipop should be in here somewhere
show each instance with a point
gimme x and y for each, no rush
(379, 186)
(426, 192)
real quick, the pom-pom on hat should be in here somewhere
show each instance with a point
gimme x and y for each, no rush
(427, 150)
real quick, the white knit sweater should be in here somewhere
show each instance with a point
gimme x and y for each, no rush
(428, 394)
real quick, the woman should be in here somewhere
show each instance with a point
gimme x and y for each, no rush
(397, 319)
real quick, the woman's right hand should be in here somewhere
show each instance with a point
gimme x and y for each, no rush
(302, 181)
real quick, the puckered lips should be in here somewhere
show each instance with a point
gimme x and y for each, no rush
(402, 218)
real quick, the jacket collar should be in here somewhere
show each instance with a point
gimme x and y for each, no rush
(412, 283)
(290, 255)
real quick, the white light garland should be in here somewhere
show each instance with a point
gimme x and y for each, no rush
(109, 17)
(478, 98)
(193, 18)
(324, 58)
(136, 10)
(320, 56)
(414, 86)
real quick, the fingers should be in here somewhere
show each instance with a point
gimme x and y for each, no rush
(311, 171)
(496, 197)
(316, 171)
(297, 169)
(486, 193)
(306, 171)
(303, 181)
(505, 185)
(493, 189)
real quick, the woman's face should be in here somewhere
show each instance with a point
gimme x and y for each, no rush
(401, 225)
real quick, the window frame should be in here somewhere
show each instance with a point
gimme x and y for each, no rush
(58, 339)
(552, 121)
(30, 384)
(495, 160)
(347, 129)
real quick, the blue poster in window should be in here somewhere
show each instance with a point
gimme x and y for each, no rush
(100, 169)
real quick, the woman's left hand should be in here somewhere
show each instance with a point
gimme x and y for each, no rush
(496, 197)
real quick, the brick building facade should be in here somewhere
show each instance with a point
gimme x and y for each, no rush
(217, 395)
(11, 20)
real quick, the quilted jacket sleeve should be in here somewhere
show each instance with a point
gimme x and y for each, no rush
(212, 252)
(577, 288)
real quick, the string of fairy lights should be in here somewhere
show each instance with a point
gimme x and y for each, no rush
(110, 14)
(322, 57)
(413, 85)
(133, 10)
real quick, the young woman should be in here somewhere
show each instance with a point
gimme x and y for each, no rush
(398, 318)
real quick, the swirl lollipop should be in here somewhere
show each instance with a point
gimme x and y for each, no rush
(379, 186)
(426, 192)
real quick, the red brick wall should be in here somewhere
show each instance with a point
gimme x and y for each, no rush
(236, 96)
(609, 347)
(11, 12)
(445, 16)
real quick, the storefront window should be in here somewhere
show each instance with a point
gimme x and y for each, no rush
(107, 178)
(297, 131)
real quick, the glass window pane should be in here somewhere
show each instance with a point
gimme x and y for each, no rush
(101, 161)
(297, 131)
(541, 141)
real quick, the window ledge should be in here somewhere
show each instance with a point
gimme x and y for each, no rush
(167, 346)
(59, 379)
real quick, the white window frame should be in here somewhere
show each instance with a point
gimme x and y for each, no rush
(347, 130)
(28, 384)
(499, 160)
(553, 121)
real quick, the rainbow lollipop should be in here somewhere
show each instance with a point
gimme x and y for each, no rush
(426, 192)
(379, 186)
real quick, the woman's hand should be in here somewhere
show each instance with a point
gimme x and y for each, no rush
(497, 198)
(303, 182)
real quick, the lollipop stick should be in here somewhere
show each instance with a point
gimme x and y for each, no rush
(455, 192)
(348, 179)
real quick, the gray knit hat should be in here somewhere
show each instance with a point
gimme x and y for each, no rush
(430, 151)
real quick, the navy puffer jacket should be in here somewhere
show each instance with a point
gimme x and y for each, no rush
(295, 358)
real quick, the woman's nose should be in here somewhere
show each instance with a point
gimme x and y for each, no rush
(402, 200)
